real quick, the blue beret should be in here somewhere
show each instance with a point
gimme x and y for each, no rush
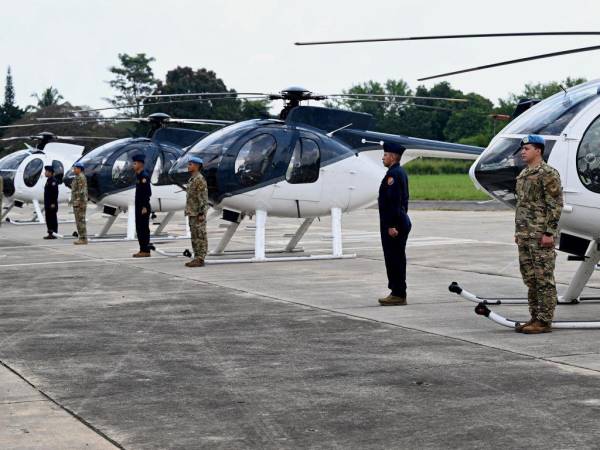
(196, 160)
(139, 157)
(533, 139)
(80, 165)
(49, 168)
(392, 147)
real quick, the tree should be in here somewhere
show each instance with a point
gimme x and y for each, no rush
(9, 112)
(48, 97)
(133, 79)
(185, 80)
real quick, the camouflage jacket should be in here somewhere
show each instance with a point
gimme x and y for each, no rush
(197, 196)
(79, 193)
(539, 202)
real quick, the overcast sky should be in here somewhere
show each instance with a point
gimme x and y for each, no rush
(70, 44)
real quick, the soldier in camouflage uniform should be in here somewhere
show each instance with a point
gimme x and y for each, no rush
(195, 208)
(79, 199)
(539, 205)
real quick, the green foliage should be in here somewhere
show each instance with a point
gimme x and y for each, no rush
(185, 80)
(48, 97)
(9, 111)
(437, 166)
(444, 187)
(132, 79)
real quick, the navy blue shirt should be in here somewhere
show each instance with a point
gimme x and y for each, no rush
(393, 199)
(51, 193)
(143, 191)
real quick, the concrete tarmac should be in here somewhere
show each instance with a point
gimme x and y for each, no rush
(100, 350)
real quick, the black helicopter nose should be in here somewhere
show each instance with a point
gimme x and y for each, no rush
(497, 169)
(68, 178)
(179, 172)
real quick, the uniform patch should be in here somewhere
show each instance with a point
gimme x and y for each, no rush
(390, 181)
(53, 184)
(143, 180)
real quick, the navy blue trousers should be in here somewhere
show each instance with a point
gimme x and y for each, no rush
(142, 228)
(394, 253)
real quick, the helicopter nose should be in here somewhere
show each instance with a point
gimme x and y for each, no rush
(497, 168)
(68, 178)
(179, 172)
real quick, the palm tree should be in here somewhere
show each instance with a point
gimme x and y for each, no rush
(49, 97)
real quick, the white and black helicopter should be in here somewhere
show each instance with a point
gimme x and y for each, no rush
(22, 171)
(309, 163)
(570, 124)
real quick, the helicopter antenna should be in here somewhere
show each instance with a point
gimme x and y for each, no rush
(331, 133)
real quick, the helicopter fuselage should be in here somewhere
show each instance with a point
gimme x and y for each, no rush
(23, 171)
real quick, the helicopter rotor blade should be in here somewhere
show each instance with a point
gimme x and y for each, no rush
(405, 105)
(514, 61)
(203, 94)
(194, 100)
(454, 36)
(417, 97)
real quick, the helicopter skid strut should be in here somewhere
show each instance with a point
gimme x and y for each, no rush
(260, 252)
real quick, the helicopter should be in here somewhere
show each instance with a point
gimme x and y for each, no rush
(22, 170)
(308, 163)
(570, 124)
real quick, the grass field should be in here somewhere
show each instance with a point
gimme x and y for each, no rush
(444, 187)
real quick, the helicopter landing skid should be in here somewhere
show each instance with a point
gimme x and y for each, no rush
(482, 310)
(497, 301)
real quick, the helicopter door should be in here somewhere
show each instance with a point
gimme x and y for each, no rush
(302, 181)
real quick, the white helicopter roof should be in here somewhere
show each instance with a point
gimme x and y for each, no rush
(62, 149)
(551, 116)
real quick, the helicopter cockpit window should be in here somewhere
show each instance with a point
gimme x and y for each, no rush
(588, 157)
(59, 171)
(32, 172)
(305, 162)
(254, 158)
(122, 170)
(551, 116)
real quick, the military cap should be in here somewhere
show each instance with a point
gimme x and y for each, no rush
(392, 147)
(49, 168)
(139, 157)
(533, 139)
(196, 160)
(80, 165)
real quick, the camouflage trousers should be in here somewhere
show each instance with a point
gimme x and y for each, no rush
(79, 212)
(199, 240)
(537, 269)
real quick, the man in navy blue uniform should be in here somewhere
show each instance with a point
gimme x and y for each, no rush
(143, 192)
(51, 202)
(394, 223)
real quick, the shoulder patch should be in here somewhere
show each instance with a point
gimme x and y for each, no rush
(143, 180)
(54, 183)
(390, 181)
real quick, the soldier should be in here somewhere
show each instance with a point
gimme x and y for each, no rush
(539, 205)
(51, 202)
(79, 199)
(143, 192)
(195, 208)
(394, 223)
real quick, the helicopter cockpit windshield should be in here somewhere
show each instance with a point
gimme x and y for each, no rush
(8, 170)
(551, 116)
